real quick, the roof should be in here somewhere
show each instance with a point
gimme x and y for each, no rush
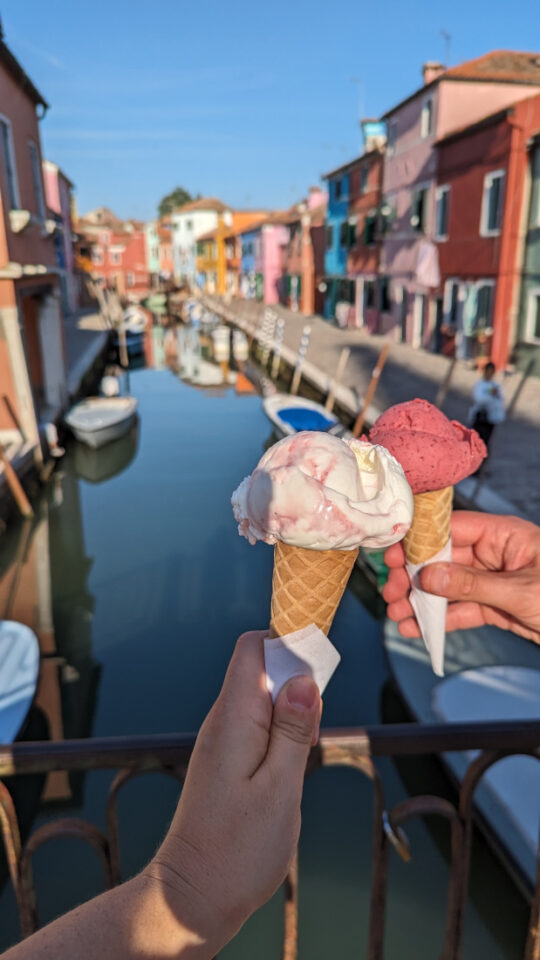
(59, 172)
(101, 217)
(205, 203)
(497, 66)
(351, 165)
(19, 74)
(209, 235)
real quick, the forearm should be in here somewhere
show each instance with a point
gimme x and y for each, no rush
(139, 920)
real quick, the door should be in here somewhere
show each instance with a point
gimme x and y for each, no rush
(419, 319)
(437, 330)
(32, 346)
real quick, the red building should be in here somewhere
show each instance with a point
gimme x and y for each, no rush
(365, 222)
(482, 177)
(116, 250)
(302, 257)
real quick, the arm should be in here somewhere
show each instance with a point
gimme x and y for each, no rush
(494, 577)
(231, 840)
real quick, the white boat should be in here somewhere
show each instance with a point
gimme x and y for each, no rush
(99, 420)
(491, 674)
(19, 670)
(240, 346)
(134, 320)
(290, 414)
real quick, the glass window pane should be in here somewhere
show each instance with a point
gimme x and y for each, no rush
(494, 198)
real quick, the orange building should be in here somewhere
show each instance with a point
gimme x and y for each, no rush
(32, 353)
(218, 254)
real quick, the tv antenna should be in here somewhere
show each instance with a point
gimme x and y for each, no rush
(447, 39)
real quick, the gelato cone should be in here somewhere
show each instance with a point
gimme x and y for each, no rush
(317, 498)
(307, 586)
(430, 529)
(435, 453)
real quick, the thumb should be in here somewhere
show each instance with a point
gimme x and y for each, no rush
(458, 582)
(295, 722)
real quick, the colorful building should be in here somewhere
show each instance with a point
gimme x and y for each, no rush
(251, 285)
(32, 353)
(165, 243)
(151, 236)
(527, 339)
(116, 250)
(59, 199)
(189, 223)
(213, 263)
(302, 256)
(480, 202)
(367, 222)
(338, 289)
(448, 100)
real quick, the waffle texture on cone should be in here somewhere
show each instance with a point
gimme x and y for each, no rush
(307, 586)
(430, 529)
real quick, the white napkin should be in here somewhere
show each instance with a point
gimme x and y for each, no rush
(431, 611)
(304, 653)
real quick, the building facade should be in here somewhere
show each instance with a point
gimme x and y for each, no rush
(480, 202)
(338, 289)
(366, 225)
(151, 237)
(449, 100)
(32, 351)
(189, 223)
(302, 257)
(116, 250)
(527, 346)
(59, 199)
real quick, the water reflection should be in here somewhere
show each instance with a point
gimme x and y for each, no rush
(98, 465)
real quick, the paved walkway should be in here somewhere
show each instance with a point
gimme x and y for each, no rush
(513, 470)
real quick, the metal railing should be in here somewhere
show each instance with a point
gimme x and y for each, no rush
(356, 748)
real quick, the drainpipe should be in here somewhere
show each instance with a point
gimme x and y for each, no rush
(509, 267)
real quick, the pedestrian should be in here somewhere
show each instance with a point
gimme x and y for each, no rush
(488, 405)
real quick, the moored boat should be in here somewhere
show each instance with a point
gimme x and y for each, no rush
(99, 420)
(19, 670)
(290, 414)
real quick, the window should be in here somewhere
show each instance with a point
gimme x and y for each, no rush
(442, 197)
(484, 305)
(115, 258)
(338, 189)
(8, 163)
(490, 221)
(38, 182)
(533, 316)
(370, 225)
(329, 238)
(452, 302)
(343, 234)
(391, 136)
(130, 279)
(104, 238)
(369, 293)
(387, 214)
(419, 210)
(155, 252)
(351, 240)
(426, 118)
(364, 179)
(385, 303)
(97, 257)
(189, 224)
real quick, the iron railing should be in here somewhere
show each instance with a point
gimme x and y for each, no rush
(357, 748)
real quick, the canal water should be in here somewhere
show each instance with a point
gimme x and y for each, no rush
(137, 583)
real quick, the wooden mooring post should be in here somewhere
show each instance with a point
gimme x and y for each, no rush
(340, 370)
(370, 392)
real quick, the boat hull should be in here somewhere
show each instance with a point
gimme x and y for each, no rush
(103, 435)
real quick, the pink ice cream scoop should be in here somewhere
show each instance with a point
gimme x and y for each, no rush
(435, 452)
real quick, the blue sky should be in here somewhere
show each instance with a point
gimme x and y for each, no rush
(247, 101)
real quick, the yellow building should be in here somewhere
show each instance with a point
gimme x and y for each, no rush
(212, 260)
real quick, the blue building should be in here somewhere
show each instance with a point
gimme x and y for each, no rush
(248, 272)
(338, 287)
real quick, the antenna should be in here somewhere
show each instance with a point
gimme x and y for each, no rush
(447, 39)
(360, 82)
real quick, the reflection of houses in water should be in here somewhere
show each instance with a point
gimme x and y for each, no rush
(44, 587)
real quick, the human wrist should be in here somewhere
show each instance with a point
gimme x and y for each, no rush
(188, 889)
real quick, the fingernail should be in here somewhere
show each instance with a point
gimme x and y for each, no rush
(437, 578)
(315, 737)
(302, 693)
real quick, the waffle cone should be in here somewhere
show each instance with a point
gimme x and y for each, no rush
(430, 529)
(307, 586)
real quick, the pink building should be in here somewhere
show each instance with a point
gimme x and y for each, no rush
(274, 235)
(413, 207)
(58, 197)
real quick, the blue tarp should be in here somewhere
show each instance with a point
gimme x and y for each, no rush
(301, 418)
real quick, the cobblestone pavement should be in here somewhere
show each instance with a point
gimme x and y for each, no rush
(513, 470)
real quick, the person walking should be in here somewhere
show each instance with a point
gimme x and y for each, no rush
(488, 405)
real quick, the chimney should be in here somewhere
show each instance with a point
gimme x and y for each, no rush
(431, 70)
(374, 134)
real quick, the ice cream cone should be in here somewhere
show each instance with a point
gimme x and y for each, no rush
(307, 586)
(430, 529)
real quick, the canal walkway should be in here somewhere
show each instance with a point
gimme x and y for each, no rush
(509, 482)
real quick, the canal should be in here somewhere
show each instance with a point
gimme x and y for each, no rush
(137, 583)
